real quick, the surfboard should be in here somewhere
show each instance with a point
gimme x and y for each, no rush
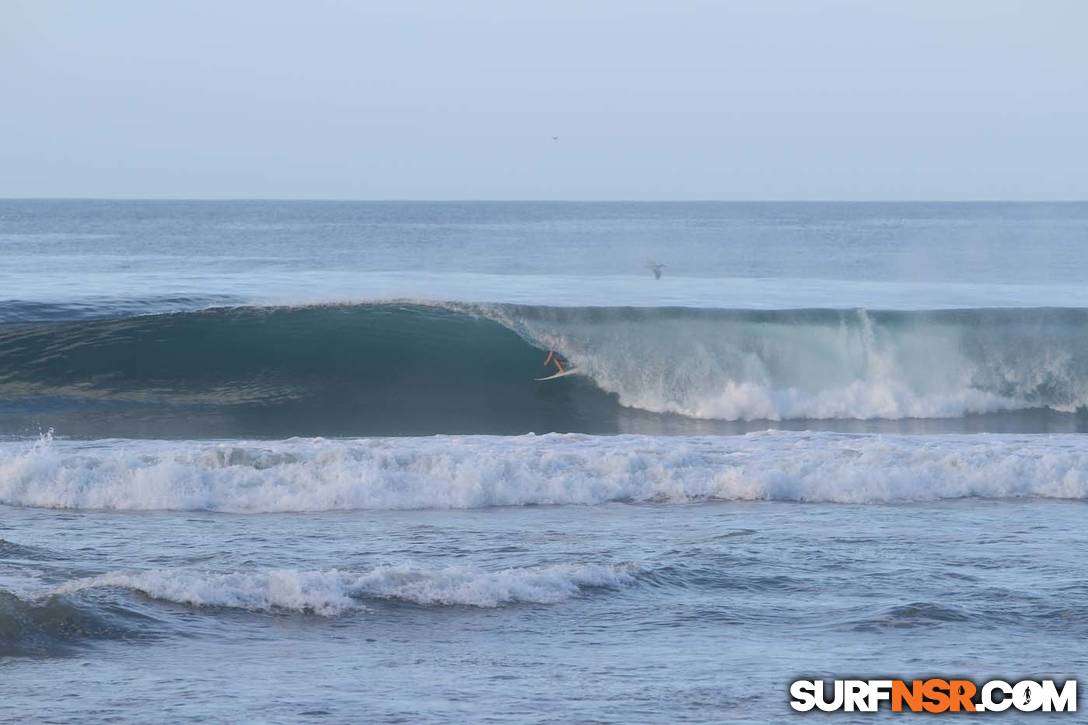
(565, 373)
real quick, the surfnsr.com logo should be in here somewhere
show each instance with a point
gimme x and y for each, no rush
(933, 695)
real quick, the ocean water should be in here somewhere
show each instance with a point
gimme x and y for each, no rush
(289, 462)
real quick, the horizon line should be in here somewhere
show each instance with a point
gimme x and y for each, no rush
(414, 200)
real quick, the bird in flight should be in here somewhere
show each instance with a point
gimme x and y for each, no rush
(655, 268)
(555, 138)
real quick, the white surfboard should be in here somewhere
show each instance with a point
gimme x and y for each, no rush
(565, 373)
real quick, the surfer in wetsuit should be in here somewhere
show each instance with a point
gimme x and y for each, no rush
(553, 358)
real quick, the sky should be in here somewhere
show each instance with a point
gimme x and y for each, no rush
(667, 99)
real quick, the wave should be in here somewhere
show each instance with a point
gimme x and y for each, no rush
(276, 372)
(334, 592)
(454, 472)
(409, 369)
(10, 551)
(52, 625)
(822, 364)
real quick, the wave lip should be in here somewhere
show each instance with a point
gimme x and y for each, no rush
(466, 472)
(333, 592)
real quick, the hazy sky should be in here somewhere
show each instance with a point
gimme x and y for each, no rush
(404, 99)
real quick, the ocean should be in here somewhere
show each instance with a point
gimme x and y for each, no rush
(270, 461)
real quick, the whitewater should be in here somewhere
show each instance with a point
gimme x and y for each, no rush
(468, 472)
(290, 459)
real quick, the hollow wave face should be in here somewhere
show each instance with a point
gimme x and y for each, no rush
(412, 369)
(277, 372)
(470, 472)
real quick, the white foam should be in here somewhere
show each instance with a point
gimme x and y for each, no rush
(333, 592)
(464, 472)
(846, 365)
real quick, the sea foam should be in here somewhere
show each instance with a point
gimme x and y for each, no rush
(819, 364)
(466, 472)
(333, 592)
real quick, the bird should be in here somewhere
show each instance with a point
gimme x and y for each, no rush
(555, 138)
(655, 268)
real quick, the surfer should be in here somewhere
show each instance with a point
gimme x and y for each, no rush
(553, 358)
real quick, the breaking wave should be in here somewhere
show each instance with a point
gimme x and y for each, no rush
(334, 592)
(412, 369)
(465, 472)
(822, 364)
(53, 621)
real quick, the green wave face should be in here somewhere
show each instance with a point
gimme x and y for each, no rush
(274, 372)
(413, 369)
